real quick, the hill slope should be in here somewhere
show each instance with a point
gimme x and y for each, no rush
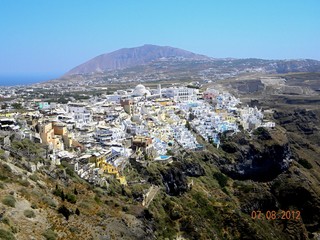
(129, 57)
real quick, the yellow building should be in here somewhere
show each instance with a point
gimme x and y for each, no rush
(164, 102)
(99, 160)
(110, 169)
(55, 135)
(59, 129)
(46, 133)
(68, 141)
(7, 115)
(230, 119)
(57, 143)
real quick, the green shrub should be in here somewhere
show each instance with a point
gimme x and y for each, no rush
(221, 178)
(6, 220)
(64, 211)
(59, 192)
(34, 177)
(74, 230)
(48, 201)
(71, 198)
(9, 201)
(229, 147)
(97, 199)
(85, 205)
(34, 206)
(14, 229)
(305, 163)
(70, 172)
(262, 133)
(24, 182)
(24, 192)
(36, 193)
(246, 187)
(77, 212)
(5, 172)
(5, 235)
(50, 235)
(98, 191)
(7, 168)
(29, 213)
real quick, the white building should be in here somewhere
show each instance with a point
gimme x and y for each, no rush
(140, 91)
(180, 94)
(80, 112)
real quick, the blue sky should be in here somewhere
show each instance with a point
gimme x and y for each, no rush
(51, 37)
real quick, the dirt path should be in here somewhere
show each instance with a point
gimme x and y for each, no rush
(149, 196)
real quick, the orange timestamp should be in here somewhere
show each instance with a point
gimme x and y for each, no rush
(273, 215)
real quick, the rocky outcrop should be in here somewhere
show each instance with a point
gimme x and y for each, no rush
(175, 181)
(261, 159)
(294, 190)
(300, 120)
(192, 169)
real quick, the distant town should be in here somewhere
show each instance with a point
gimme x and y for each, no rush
(99, 135)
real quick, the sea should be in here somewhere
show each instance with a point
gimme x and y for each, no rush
(14, 80)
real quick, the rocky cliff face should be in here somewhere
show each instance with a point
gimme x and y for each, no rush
(300, 120)
(261, 158)
(175, 181)
(175, 178)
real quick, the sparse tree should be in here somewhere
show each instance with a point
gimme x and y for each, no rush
(188, 125)
(77, 211)
(64, 211)
(17, 105)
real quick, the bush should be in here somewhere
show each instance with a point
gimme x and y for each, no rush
(221, 178)
(24, 182)
(229, 147)
(70, 172)
(74, 230)
(24, 192)
(6, 220)
(64, 211)
(59, 192)
(97, 199)
(5, 172)
(29, 213)
(305, 163)
(247, 187)
(98, 191)
(9, 201)
(71, 198)
(7, 168)
(5, 235)
(34, 177)
(262, 133)
(34, 206)
(50, 235)
(14, 229)
(48, 201)
(77, 212)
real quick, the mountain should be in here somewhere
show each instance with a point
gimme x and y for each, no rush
(130, 57)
